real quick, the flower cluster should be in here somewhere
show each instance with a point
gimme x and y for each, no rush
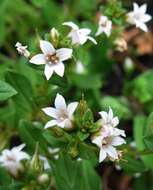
(109, 137)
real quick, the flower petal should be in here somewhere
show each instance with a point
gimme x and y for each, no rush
(97, 141)
(59, 69)
(71, 24)
(46, 47)
(112, 152)
(50, 111)
(84, 31)
(116, 141)
(72, 107)
(102, 155)
(135, 7)
(64, 53)
(51, 124)
(143, 8)
(92, 39)
(115, 121)
(48, 71)
(38, 59)
(60, 102)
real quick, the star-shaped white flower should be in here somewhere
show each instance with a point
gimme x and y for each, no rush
(105, 26)
(108, 119)
(52, 58)
(22, 49)
(107, 146)
(11, 159)
(109, 122)
(62, 114)
(79, 36)
(139, 17)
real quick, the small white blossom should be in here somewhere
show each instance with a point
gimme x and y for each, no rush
(139, 17)
(22, 49)
(52, 58)
(11, 159)
(107, 146)
(62, 114)
(105, 26)
(109, 122)
(79, 36)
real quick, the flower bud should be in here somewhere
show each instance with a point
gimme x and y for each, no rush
(54, 36)
(43, 178)
(36, 163)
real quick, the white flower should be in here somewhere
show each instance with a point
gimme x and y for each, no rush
(79, 36)
(52, 58)
(11, 159)
(108, 119)
(109, 122)
(107, 146)
(105, 26)
(62, 114)
(139, 17)
(22, 49)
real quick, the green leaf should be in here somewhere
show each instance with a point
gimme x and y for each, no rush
(67, 171)
(148, 141)
(119, 105)
(6, 91)
(140, 123)
(86, 81)
(140, 87)
(132, 165)
(31, 134)
(23, 102)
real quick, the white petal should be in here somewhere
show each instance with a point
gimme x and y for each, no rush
(97, 141)
(116, 141)
(99, 31)
(62, 124)
(46, 47)
(71, 24)
(18, 148)
(48, 71)
(38, 59)
(143, 8)
(115, 121)
(60, 102)
(84, 31)
(50, 111)
(72, 107)
(118, 132)
(59, 69)
(110, 113)
(112, 152)
(51, 124)
(64, 53)
(75, 37)
(143, 27)
(146, 18)
(102, 155)
(104, 115)
(135, 7)
(92, 39)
